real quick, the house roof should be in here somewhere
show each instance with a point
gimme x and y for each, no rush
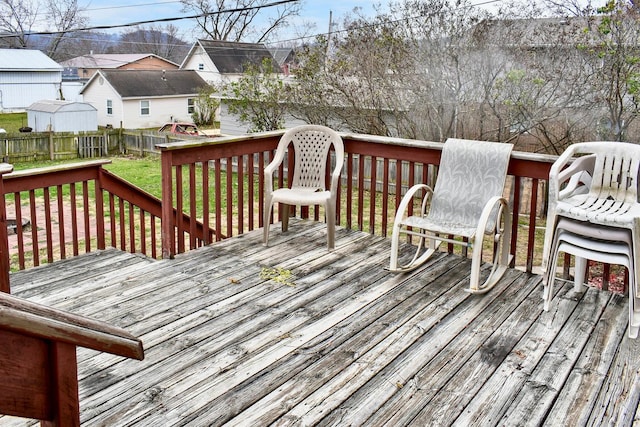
(282, 54)
(108, 60)
(26, 60)
(150, 83)
(232, 57)
(52, 106)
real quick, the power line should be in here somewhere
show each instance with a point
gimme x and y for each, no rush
(151, 21)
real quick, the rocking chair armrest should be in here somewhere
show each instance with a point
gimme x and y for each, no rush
(408, 197)
(493, 203)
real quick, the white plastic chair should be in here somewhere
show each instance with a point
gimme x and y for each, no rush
(311, 147)
(584, 242)
(466, 202)
(596, 183)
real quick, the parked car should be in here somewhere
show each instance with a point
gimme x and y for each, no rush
(180, 129)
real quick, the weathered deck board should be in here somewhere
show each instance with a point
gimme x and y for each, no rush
(348, 344)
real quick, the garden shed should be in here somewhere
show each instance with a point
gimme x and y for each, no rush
(62, 116)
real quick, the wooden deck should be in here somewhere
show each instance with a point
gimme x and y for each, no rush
(344, 342)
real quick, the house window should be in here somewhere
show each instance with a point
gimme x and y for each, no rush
(201, 67)
(144, 108)
(109, 107)
(190, 105)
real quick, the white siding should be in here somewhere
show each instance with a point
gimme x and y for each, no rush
(63, 121)
(210, 74)
(18, 90)
(97, 94)
(230, 125)
(161, 110)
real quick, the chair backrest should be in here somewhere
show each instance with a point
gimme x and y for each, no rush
(615, 174)
(311, 144)
(470, 173)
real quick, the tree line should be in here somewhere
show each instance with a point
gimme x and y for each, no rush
(546, 74)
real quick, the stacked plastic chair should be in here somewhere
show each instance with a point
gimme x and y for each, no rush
(594, 214)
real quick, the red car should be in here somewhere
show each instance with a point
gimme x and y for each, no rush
(180, 129)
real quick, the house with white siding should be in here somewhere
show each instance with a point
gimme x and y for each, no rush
(27, 76)
(134, 99)
(219, 61)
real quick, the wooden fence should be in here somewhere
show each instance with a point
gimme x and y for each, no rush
(38, 146)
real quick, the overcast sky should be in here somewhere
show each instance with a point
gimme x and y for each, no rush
(316, 12)
(120, 12)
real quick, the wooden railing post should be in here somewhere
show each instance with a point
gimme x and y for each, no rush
(167, 220)
(39, 365)
(4, 242)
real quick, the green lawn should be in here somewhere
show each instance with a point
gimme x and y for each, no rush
(12, 122)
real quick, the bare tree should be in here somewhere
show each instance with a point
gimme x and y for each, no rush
(17, 17)
(65, 16)
(610, 48)
(241, 20)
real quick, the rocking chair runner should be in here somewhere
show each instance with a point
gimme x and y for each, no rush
(466, 202)
(311, 145)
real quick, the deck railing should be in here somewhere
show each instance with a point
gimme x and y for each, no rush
(212, 189)
(220, 184)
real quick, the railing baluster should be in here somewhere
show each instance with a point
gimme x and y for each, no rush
(229, 166)
(218, 179)
(532, 224)
(47, 221)
(349, 197)
(205, 202)
(192, 206)
(385, 196)
(517, 182)
(123, 235)
(34, 229)
(19, 230)
(240, 194)
(179, 209)
(360, 192)
(61, 222)
(74, 218)
(87, 219)
(132, 228)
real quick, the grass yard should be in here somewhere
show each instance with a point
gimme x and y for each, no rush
(12, 122)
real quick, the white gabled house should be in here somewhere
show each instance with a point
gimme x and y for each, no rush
(27, 76)
(135, 99)
(218, 61)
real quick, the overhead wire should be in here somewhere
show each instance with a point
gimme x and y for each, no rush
(161, 20)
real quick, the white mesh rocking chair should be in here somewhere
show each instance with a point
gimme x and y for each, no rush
(311, 146)
(466, 202)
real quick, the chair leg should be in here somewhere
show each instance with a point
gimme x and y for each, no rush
(547, 294)
(634, 317)
(579, 273)
(268, 206)
(284, 215)
(331, 225)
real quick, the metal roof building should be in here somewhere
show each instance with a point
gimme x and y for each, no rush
(27, 76)
(62, 116)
